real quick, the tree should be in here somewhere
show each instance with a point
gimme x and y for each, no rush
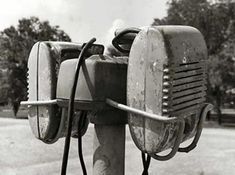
(216, 21)
(212, 20)
(15, 46)
(3, 82)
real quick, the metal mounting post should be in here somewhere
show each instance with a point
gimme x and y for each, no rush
(109, 143)
(109, 150)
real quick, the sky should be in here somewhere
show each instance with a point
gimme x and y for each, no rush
(84, 19)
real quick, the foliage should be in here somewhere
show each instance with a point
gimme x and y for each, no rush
(216, 21)
(15, 46)
(3, 82)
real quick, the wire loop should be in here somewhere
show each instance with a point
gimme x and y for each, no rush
(203, 115)
(116, 40)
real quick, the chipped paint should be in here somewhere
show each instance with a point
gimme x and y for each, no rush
(162, 48)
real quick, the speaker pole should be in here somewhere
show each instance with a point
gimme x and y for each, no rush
(109, 142)
(109, 150)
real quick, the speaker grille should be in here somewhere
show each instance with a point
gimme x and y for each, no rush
(184, 86)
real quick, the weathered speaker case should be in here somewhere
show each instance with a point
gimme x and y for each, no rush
(43, 66)
(100, 77)
(167, 77)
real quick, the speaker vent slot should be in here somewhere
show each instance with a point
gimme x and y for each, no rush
(183, 64)
(187, 86)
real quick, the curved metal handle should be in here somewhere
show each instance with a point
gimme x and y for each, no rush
(181, 121)
(160, 119)
(141, 113)
(39, 102)
(204, 112)
(176, 144)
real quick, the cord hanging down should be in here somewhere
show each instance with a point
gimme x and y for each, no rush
(146, 163)
(71, 106)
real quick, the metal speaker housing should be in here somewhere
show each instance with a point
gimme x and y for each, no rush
(100, 77)
(43, 66)
(167, 77)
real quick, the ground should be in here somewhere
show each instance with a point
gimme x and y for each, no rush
(22, 154)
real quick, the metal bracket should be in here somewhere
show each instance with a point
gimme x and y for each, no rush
(39, 103)
(176, 144)
(140, 112)
(204, 112)
(181, 122)
(179, 138)
(158, 118)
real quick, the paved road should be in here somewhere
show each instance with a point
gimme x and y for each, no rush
(22, 154)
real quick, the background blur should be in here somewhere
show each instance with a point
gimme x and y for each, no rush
(24, 22)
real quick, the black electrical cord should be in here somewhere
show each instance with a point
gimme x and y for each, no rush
(146, 163)
(71, 106)
(118, 37)
(81, 123)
